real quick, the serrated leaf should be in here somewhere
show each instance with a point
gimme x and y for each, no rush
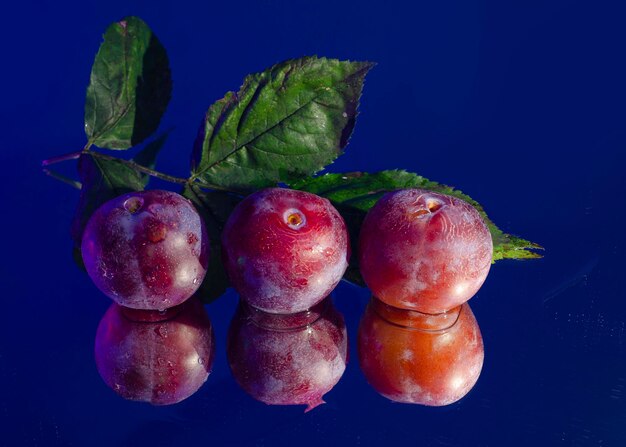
(214, 207)
(286, 122)
(101, 181)
(130, 86)
(355, 193)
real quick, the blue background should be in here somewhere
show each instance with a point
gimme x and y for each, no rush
(520, 104)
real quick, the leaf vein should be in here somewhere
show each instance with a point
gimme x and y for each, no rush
(321, 92)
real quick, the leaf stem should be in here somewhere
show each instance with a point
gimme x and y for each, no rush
(131, 164)
(64, 179)
(61, 158)
(137, 167)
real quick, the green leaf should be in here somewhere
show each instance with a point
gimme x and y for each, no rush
(355, 193)
(129, 88)
(101, 181)
(286, 122)
(214, 207)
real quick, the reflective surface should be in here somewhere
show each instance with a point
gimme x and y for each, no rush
(288, 359)
(519, 105)
(158, 360)
(418, 358)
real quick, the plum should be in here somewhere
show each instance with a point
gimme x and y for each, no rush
(156, 357)
(146, 250)
(424, 251)
(412, 357)
(285, 250)
(288, 359)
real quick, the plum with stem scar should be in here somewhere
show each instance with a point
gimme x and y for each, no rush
(146, 250)
(424, 251)
(285, 250)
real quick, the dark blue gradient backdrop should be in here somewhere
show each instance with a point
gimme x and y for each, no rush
(522, 105)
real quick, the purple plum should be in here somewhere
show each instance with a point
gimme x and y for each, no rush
(146, 250)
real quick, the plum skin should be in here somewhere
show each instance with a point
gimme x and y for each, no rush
(426, 359)
(147, 249)
(291, 359)
(161, 362)
(424, 251)
(285, 250)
